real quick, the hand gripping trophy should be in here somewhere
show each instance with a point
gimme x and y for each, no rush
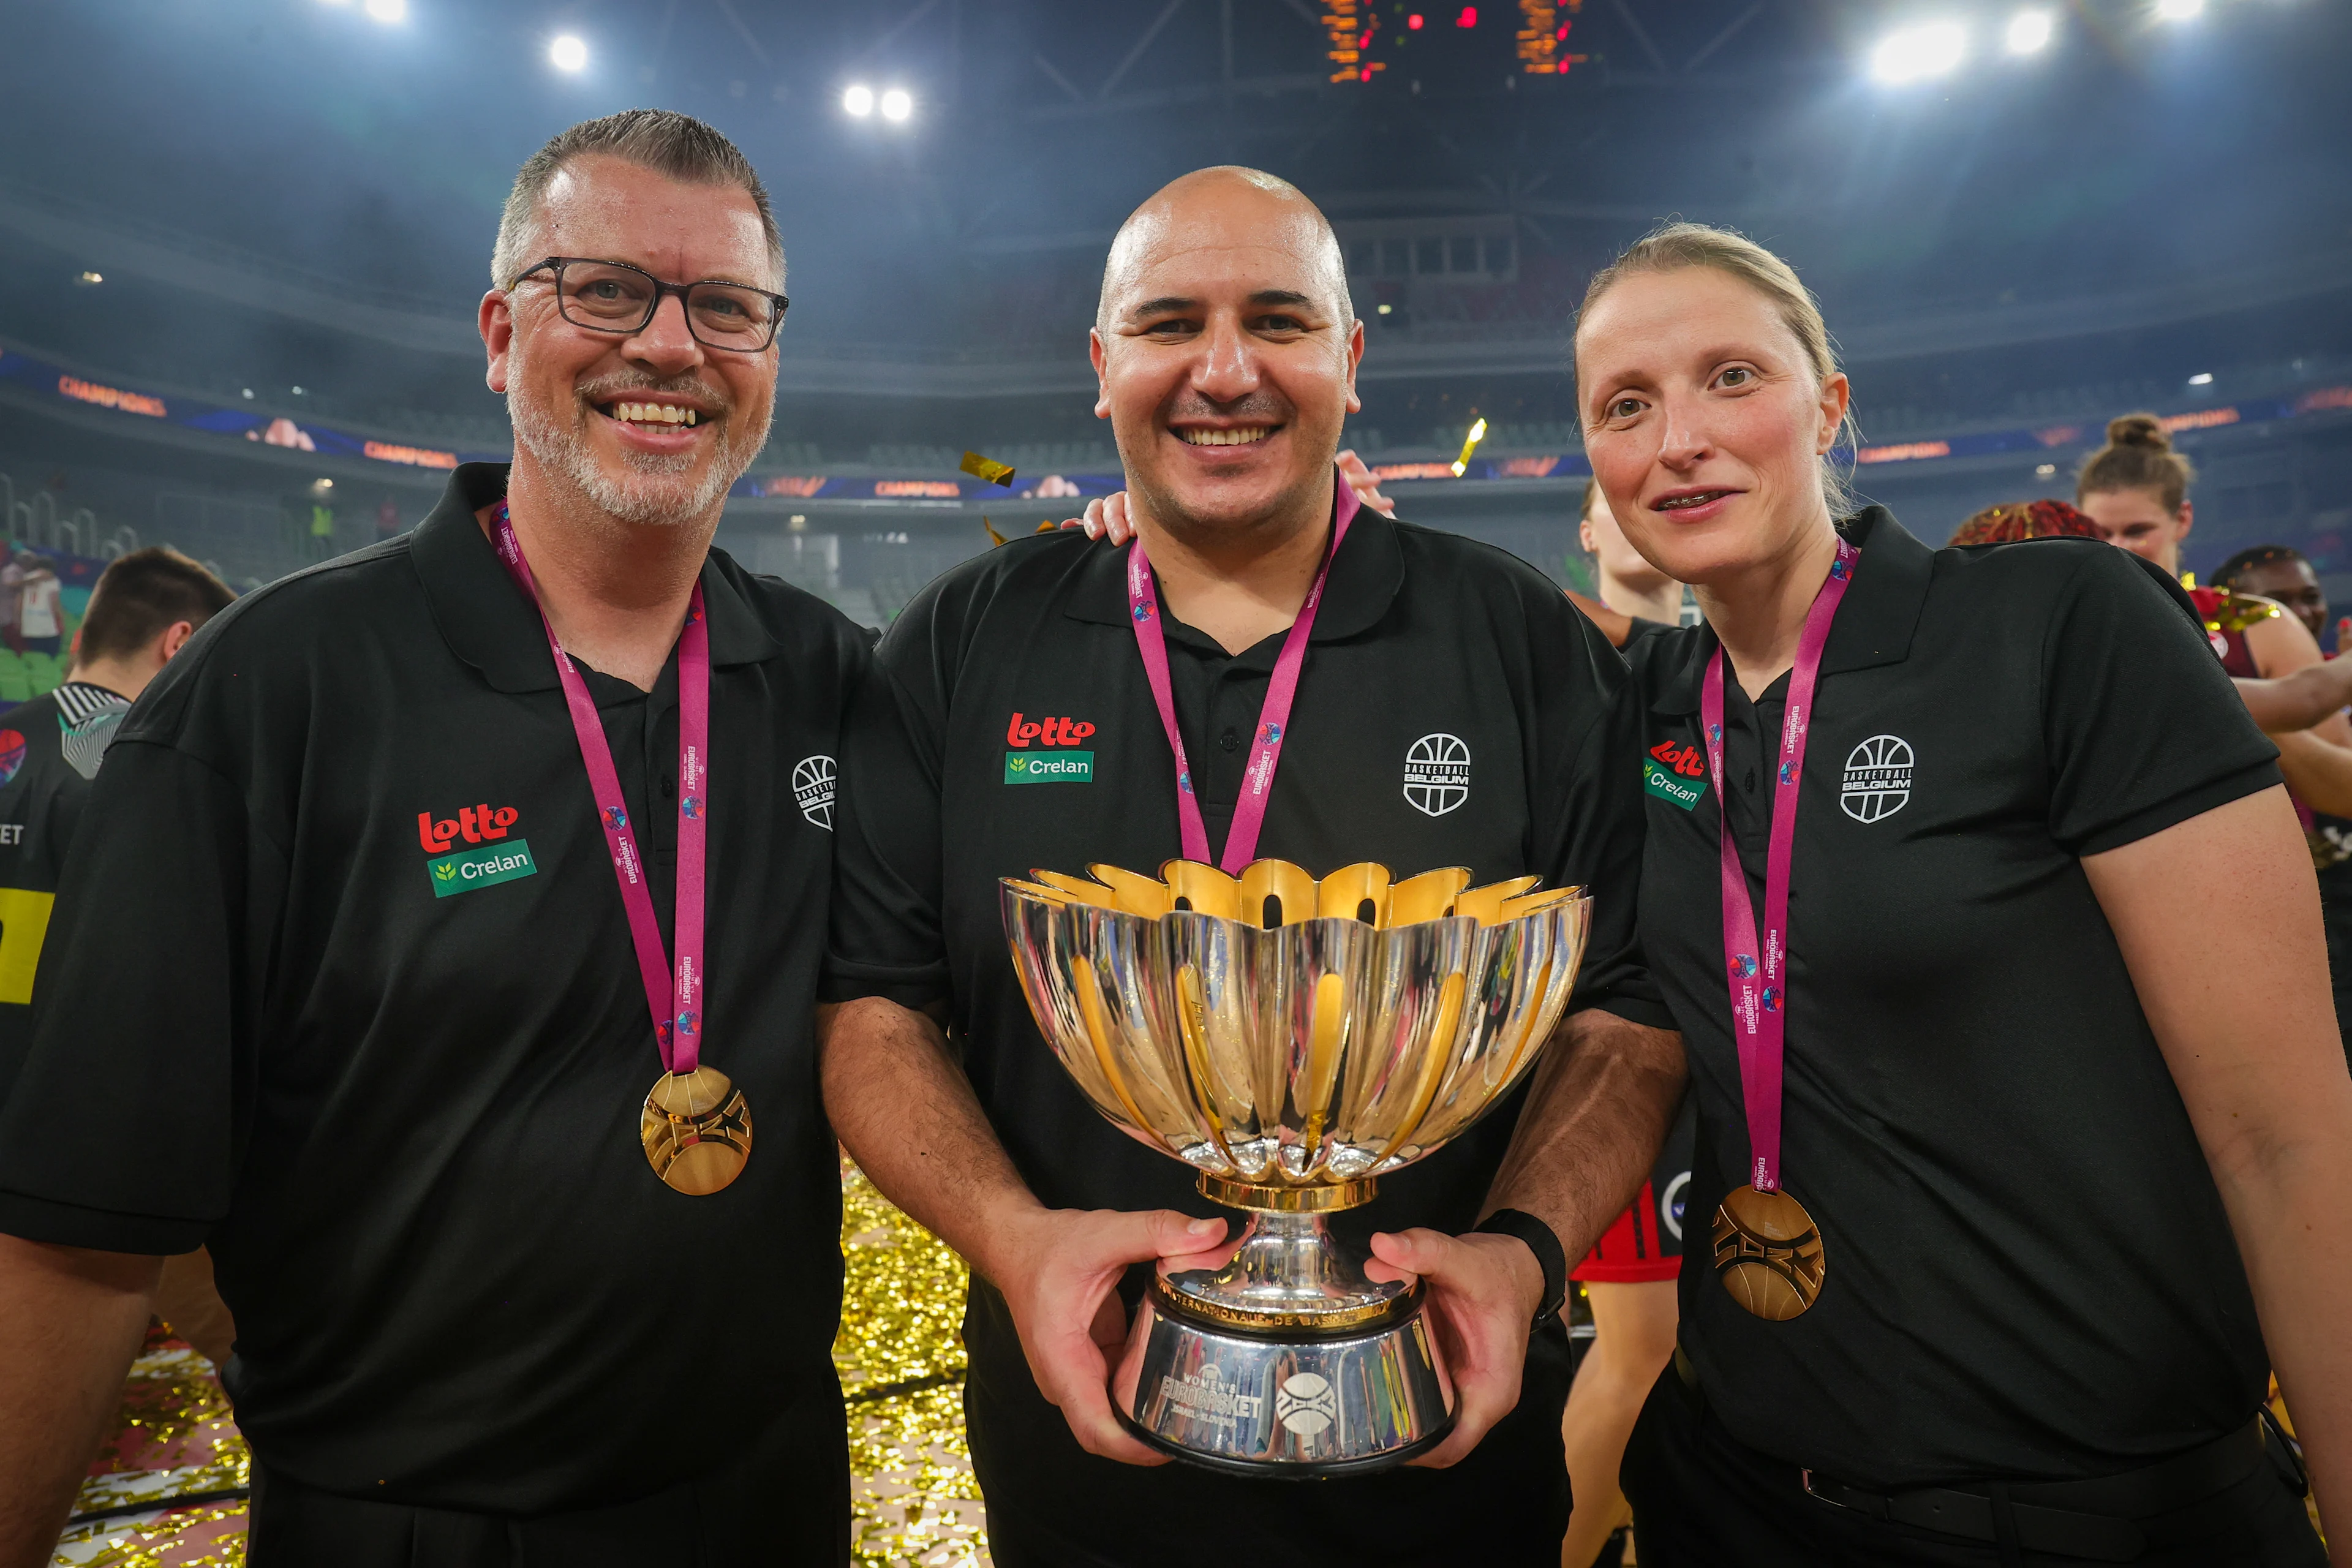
(1293, 1041)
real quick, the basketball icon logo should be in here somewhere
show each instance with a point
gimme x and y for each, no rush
(12, 753)
(812, 789)
(1767, 1253)
(1877, 778)
(1437, 773)
(1307, 1404)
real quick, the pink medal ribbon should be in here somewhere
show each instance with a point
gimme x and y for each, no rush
(1273, 718)
(673, 1000)
(1759, 990)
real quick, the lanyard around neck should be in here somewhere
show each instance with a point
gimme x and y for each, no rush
(1758, 974)
(674, 998)
(1274, 717)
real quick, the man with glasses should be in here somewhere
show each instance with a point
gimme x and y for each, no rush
(445, 959)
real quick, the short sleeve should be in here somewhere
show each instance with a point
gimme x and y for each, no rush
(888, 937)
(142, 1011)
(2142, 727)
(1589, 803)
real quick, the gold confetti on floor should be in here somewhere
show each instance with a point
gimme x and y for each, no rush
(174, 1437)
(899, 1354)
(901, 1361)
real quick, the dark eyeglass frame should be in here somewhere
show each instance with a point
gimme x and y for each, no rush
(556, 264)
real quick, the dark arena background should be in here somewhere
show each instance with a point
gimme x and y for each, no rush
(243, 242)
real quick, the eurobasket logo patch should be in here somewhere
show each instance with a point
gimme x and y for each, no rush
(471, 869)
(1049, 767)
(12, 753)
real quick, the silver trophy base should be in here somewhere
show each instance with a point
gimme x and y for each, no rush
(1294, 1405)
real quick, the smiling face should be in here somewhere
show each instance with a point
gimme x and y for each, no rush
(1227, 353)
(1704, 421)
(2139, 521)
(650, 426)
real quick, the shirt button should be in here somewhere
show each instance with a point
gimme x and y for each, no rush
(1752, 781)
(1229, 739)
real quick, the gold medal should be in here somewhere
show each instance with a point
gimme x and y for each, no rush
(697, 1130)
(1767, 1253)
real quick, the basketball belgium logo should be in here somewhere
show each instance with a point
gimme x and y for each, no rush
(812, 781)
(1437, 773)
(1877, 778)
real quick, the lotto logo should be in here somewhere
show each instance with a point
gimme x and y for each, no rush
(475, 824)
(1684, 758)
(1046, 732)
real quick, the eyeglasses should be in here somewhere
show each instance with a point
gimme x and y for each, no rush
(613, 297)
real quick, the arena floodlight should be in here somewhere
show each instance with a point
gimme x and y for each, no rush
(858, 101)
(896, 104)
(388, 11)
(2179, 10)
(2029, 32)
(1918, 53)
(568, 53)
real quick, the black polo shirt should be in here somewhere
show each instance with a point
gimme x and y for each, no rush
(1013, 728)
(341, 986)
(49, 751)
(2030, 1273)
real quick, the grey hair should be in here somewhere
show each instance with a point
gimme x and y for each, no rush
(676, 145)
(1672, 247)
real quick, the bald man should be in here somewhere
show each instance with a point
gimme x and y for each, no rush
(1010, 724)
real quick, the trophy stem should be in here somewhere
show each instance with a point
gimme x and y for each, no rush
(1288, 1273)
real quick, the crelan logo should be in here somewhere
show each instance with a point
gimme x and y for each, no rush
(471, 869)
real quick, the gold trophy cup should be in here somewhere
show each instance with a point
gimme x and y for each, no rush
(1293, 1041)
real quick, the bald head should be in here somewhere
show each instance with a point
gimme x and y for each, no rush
(1226, 206)
(1226, 349)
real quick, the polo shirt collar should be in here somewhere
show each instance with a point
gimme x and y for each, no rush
(1874, 623)
(490, 625)
(1366, 577)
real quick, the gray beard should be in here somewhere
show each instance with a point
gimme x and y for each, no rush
(655, 491)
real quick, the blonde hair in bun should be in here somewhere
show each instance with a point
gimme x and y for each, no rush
(2138, 456)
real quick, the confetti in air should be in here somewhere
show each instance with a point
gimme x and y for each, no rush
(994, 472)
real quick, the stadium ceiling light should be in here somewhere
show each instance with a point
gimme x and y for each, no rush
(568, 53)
(896, 104)
(858, 101)
(2029, 32)
(2179, 10)
(2202, 378)
(1918, 53)
(388, 10)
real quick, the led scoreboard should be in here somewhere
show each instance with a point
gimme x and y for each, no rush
(1446, 40)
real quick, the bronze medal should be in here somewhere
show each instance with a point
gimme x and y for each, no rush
(697, 1130)
(1767, 1253)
